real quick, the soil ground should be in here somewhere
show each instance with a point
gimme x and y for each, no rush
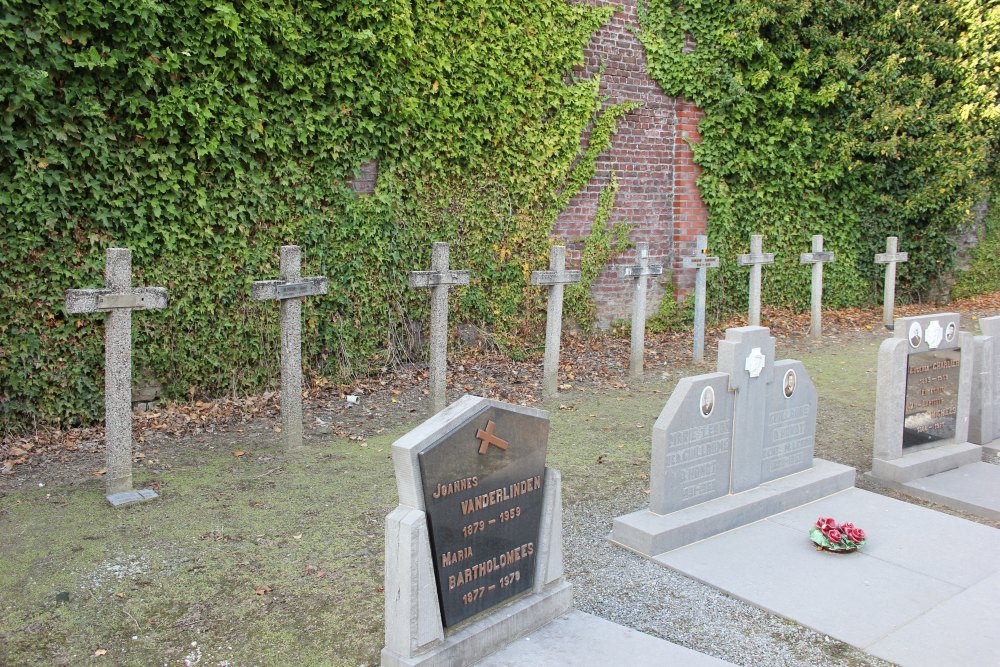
(253, 555)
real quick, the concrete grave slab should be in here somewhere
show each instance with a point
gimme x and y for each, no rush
(974, 488)
(584, 640)
(901, 598)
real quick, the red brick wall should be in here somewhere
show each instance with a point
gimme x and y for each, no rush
(657, 195)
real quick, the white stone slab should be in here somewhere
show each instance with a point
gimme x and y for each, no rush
(905, 598)
(887, 522)
(584, 640)
(964, 631)
(972, 488)
(853, 597)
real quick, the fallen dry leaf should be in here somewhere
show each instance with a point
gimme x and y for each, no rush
(238, 453)
(101, 651)
(260, 590)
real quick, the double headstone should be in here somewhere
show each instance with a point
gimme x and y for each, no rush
(556, 278)
(290, 289)
(732, 447)
(439, 279)
(639, 273)
(477, 534)
(925, 375)
(118, 299)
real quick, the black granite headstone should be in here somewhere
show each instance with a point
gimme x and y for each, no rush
(482, 486)
(931, 396)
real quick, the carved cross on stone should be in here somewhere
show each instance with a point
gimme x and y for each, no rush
(118, 299)
(702, 262)
(754, 260)
(817, 258)
(889, 258)
(439, 279)
(290, 290)
(639, 273)
(747, 355)
(556, 278)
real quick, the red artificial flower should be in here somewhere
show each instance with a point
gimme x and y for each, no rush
(833, 535)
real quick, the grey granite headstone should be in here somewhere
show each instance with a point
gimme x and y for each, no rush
(755, 259)
(290, 290)
(890, 258)
(692, 444)
(790, 435)
(639, 273)
(477, 535)
(702, 262)
(118, 299)
(817, 258)
(439, 279)
(747, 357)
(556, 278)
(922, 417)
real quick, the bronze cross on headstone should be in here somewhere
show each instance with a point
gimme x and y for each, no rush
(118, 299)
(488, 438)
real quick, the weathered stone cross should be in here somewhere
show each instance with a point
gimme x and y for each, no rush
(639, 272)
(439, 279)
(817, 257)
(289, 290)
(890, 257)
(702, 262)
(488, 438)
(754, 260)
(555, 278)
(118, 299)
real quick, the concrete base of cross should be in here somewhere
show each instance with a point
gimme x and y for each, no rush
(652, 534)
(129, 497)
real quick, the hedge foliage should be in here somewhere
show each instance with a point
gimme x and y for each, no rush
(855, 119)
(203, 136)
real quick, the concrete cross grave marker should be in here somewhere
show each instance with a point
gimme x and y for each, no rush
(890, 257)
(702, 262)
(639, 273)
(754, 260)
(817, 258)
(556, 278)
(289, 290)
(439, 279)
(118, 299)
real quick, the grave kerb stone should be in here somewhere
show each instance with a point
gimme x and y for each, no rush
(556, 278)
(701, 262)
(118, 299)
(984, 428)
(639, 273)
(755, 259)
(817, 258)
(439, 279)
(290, 289)
(890, 258)
(414, 631)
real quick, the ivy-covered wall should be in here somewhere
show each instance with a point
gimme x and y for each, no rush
(203, 137)
(856, 119)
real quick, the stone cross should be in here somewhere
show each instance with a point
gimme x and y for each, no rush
(439, 279)
(890, 257)
(555, 278)
(702, 262)
(289, 290)
(817, 258)
(747, 355)
(754, 260)
(639, 273)
(118, 299)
